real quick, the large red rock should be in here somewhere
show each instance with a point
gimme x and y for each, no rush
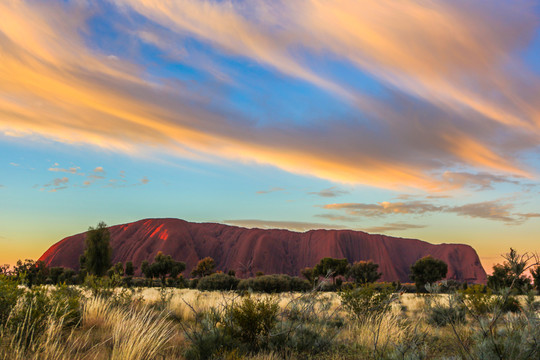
(270, 251)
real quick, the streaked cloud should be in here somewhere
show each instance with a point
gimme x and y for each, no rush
(389, 227)
(497, 210)
(334, 217)
(480, 181)
(71, 170)
(271, 190)
(385, 208)
(56, 185)
(330, 192)
(289, 225)
(446, 102)
(493, 210)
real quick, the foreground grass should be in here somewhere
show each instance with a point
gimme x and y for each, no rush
(150, 323)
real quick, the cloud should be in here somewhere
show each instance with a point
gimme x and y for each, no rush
(385, 208)
(145, 180)
(493, 210)
(59, 181)
(14, 164)
(330, 192)
(71, 170)
(290, 225)
(480, 181)
(271, 190)
(99, 169)
(497, 210)
(334, 217)
(56, 184)
(393, 227)
(455, 95)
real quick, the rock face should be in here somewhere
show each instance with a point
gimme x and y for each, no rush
(270, 251)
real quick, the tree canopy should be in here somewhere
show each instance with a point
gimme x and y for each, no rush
(98, 252)
(331, 267)
(364, 272)
(427, 270)
(163, 266)
(204, 267)
(510, 274)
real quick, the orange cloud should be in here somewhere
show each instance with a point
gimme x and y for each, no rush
(53, 85)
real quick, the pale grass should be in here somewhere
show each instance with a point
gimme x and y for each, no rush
(98, 312)
(52, 344)
(140, 335)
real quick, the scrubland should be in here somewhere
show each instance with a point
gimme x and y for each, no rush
(69, 322)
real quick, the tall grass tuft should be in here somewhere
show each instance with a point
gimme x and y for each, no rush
(139, 335)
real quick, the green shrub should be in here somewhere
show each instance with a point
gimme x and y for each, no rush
(242, 327)
(366, 301)
(442, 315)
(36, 307)
(252, 320)
(9, 293)
(507, 304)
(218, 281)
(478, 298)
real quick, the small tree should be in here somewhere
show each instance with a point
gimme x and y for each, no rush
(510, 274)
(204, 267)
(427, 270)
(331, 267)
(98, 252)
(146, 270)
(55, 273)
(33, 273)
(364, 272)
(309, 274)
(130, 271)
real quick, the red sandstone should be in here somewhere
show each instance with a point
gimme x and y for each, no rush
(270, 251)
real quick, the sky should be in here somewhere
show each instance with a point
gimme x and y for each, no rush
(416, 119)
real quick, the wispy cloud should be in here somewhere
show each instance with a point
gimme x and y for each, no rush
(271, 190)
(385, 208)
(480, 181)
(451, 89)
(71, 170)
(389, 227)
(334, 217)
(497, 210)
(56, 184)
(330, 192)
(493, 210)
(290, 225)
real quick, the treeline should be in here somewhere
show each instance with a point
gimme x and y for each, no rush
(166, 272)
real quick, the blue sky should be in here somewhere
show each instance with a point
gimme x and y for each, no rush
(410, 118)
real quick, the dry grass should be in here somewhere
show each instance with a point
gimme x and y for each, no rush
(153, 330)
(140, 335)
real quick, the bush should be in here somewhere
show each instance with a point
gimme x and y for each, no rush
(510, 304)
(478, 298)
(36, 307)
(442, 315)
(218, 281)
(366, 301)
(252, 320)
(242, 327)
(9, 293)
(274, 284)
